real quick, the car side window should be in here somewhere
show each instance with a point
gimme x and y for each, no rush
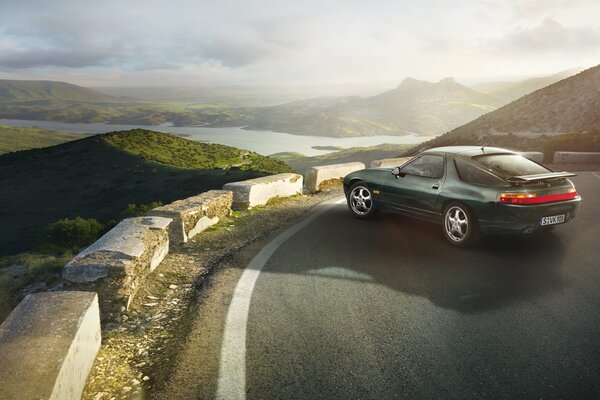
(428, 166)
(472, 174)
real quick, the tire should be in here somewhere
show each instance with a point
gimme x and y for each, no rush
(459, 225)
(360, 200)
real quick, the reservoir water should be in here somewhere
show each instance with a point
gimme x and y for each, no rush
(262, 142)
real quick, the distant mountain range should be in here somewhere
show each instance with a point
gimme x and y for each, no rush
(36, 91)
(414, 107)
(98, 176)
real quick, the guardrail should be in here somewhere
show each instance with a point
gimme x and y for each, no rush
(389, 162)
(257, 192)
(48, 345)
(572, 157)
(315, 176)
(195, 214)
(128, 253)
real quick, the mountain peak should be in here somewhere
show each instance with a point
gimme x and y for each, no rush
(411, 82)
(448, 80)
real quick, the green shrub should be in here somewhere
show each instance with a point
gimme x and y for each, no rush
(133, 210)
(72, 234)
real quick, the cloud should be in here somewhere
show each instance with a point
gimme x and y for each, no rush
(187, 33)
(548, 37)
(292, 41)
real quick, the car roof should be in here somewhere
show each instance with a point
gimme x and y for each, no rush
(469, 151)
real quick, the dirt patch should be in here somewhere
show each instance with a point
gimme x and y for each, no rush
(140, 345)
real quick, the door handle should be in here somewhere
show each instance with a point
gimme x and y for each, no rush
(436, 185)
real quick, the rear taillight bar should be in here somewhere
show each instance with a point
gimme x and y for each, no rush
(532, 198)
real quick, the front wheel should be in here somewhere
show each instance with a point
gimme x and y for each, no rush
(360, 200)
(459, 225)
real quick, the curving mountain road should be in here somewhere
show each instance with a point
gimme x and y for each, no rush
(343, 308)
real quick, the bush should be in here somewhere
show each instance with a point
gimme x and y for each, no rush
(72, 234)
(133, 210)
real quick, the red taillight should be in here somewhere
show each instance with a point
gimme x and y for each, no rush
(532, 198)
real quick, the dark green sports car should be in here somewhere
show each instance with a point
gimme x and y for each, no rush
(468, 190)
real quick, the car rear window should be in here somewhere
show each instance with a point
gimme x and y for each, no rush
(512, 164)
(470, 173)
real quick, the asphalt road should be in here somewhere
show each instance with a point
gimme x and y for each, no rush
(385, 308)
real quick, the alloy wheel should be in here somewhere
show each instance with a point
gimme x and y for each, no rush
(361, 200)
(456, 223)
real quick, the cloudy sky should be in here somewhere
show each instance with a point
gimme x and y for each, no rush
(198, 42)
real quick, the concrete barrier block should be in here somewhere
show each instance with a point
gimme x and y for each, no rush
(127, 253)
(48, 345)
(536, 156)
(257, 192)
(193, 215)
(389, 162)
(317, 175)
(573, 157)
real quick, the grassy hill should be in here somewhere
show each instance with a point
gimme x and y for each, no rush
(567, 112)
(14, 138)
(413, 107)
(99, 176)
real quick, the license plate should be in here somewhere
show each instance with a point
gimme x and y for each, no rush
(554, 219)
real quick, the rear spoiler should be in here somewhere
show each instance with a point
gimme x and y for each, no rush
(539, 177)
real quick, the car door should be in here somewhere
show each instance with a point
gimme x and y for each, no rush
(416, 189)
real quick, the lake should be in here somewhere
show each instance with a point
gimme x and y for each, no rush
(262, 142)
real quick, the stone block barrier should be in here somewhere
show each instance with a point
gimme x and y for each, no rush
(127, 253)
(48, 345)
(193, 215)
(315, 176)
(258, 191)
(572, 157)
(536, 156)
(389, 162)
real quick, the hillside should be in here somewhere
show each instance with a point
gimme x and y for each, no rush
(413, 107)
(61, 101)
(97, 177)
(33, 91)
(14, 138)
(568, 106)
(510, 91)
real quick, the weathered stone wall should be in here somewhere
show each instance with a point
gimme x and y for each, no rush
(317, 175)
(48, 345)
(389, 162)
(126, 254)
(193, 215)
(572, 157)
(257, 192)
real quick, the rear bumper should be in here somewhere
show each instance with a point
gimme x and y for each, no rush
(513, 218)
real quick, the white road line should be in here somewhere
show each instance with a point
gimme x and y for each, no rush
(596, 175)
(232, 368)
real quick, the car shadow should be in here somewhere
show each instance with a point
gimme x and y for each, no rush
(412, 257)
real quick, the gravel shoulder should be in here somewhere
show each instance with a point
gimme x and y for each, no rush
(141, 346)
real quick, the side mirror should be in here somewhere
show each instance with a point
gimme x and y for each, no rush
(396, 172)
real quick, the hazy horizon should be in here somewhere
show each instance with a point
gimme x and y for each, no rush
(302, 43)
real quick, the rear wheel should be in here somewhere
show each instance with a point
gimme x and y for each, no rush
(459, 225)
(360, 200)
